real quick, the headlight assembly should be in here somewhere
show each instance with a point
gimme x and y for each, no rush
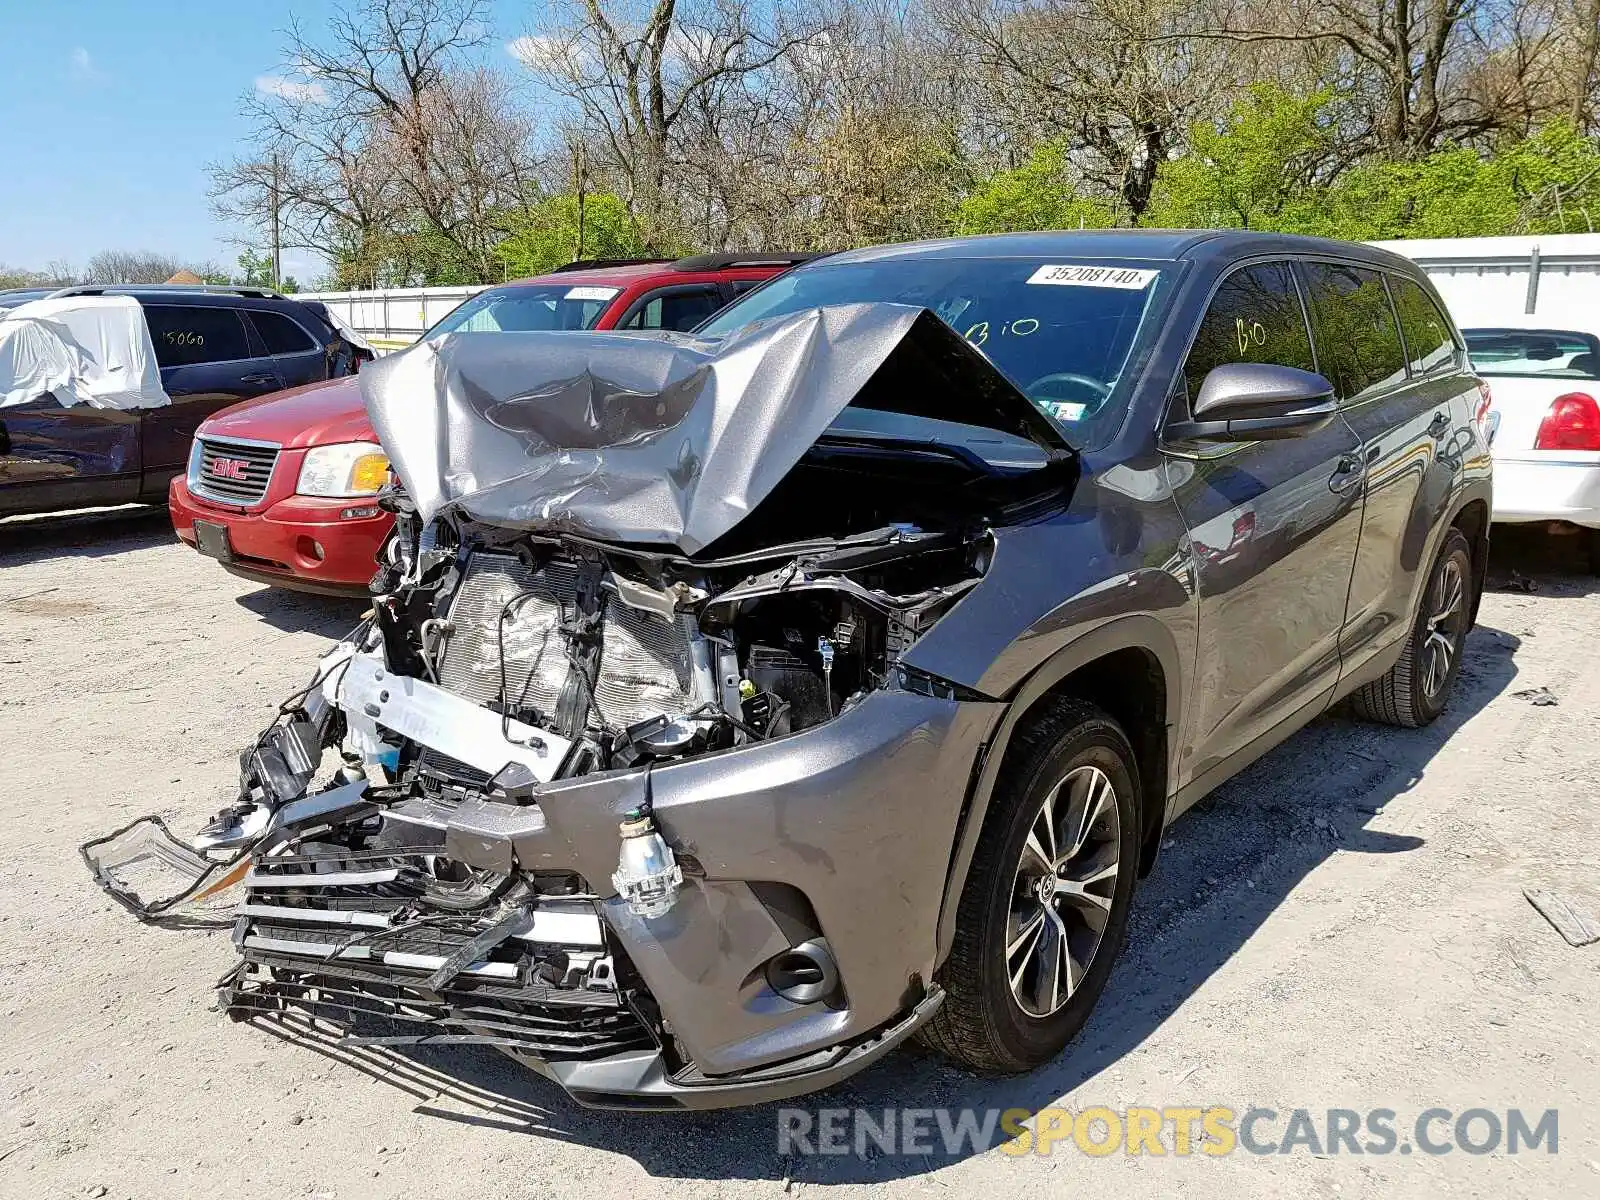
(343, 470)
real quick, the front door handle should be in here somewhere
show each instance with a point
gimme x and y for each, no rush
(1440, 425)
(258, 379)
(1347, 472)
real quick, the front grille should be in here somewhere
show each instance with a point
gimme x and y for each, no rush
(352, 939)
(644, 658)
(377, 1008)
(243, 484)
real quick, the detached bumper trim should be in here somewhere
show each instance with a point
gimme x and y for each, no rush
(637, 1082)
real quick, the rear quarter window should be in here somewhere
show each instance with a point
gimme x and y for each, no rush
(1429, 342)
(281, 335)
(1358, 342)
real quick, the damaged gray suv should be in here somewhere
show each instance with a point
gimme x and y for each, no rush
(736, 705)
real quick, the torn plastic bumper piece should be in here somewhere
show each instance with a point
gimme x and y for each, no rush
(639, 1081)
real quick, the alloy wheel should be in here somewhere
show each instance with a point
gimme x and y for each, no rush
(1442, 630)
(1062, 893)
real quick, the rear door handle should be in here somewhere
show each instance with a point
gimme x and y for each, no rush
(259, 378)
(1440, 425)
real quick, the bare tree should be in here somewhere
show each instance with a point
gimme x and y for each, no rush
(1118, 81)
(640, 72)
(386, 149)
(144, 266)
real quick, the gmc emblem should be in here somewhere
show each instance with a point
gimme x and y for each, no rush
(228, 468)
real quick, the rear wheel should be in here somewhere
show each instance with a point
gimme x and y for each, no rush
(1417, 688)
(1046, 903)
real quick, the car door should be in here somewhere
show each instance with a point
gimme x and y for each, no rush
(1272, 531)
(297, 356)
(53, 457)
(209, 359)
(678, 307)
(1404, 412)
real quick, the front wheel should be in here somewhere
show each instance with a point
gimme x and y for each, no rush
(1416, 689)
(1045, 907)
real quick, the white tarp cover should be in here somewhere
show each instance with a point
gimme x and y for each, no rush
(93, 350)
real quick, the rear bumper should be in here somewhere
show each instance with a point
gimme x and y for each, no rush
(300, 542)
(1548, 486)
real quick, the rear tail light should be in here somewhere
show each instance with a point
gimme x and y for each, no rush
(1573, 423)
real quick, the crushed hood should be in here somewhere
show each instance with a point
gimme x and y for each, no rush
(663, 439)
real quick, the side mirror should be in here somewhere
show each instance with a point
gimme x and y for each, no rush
(1252, 402)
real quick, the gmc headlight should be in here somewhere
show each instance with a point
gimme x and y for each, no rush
(342, 470)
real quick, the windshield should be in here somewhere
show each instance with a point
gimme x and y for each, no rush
(1061, 331)
(1556, 353)
(526, 308)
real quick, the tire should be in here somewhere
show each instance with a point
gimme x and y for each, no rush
(1070, 753)
(1413, 693)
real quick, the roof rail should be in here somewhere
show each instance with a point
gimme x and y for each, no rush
(590, 264)
(224, 289)
(759, 258)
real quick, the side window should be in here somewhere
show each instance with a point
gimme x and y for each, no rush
(280, 334)
(1255, 317)
(741, 286)
(680, 309)
(184, 336)
(1356, 331)
(1428, 340)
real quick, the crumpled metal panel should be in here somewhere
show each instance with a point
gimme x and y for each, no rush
(663, 439)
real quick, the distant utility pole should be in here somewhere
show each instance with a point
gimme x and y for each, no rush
(579, 172)
(277, 236)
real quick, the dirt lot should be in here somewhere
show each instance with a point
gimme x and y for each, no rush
(1343, 926)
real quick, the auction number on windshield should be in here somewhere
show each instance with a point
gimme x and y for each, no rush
(183, 337)
(979, 334)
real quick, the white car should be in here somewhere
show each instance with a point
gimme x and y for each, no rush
(1544, 384)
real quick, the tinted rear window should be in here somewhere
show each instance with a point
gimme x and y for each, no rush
(1358, 342)
(1559, 353)
(185, 335)
(281, 335)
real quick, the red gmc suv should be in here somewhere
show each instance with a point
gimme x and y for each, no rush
(280, 489)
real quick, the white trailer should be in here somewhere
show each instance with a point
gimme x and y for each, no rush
(1488, 280)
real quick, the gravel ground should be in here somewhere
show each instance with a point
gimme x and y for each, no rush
(1342, 926)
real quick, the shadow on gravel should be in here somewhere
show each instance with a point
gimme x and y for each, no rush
(1525, 558)
(304, 612)
(86, 534)
(1225, 867)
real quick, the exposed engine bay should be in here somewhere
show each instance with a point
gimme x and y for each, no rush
(476, 823)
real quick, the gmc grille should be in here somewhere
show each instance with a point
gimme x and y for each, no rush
(244, 483)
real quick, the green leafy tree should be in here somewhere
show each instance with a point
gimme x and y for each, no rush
(1546, 183)
(1037, 195)
(547, 235)
(1263, 167)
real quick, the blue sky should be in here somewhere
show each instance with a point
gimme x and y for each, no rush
(111, 109)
